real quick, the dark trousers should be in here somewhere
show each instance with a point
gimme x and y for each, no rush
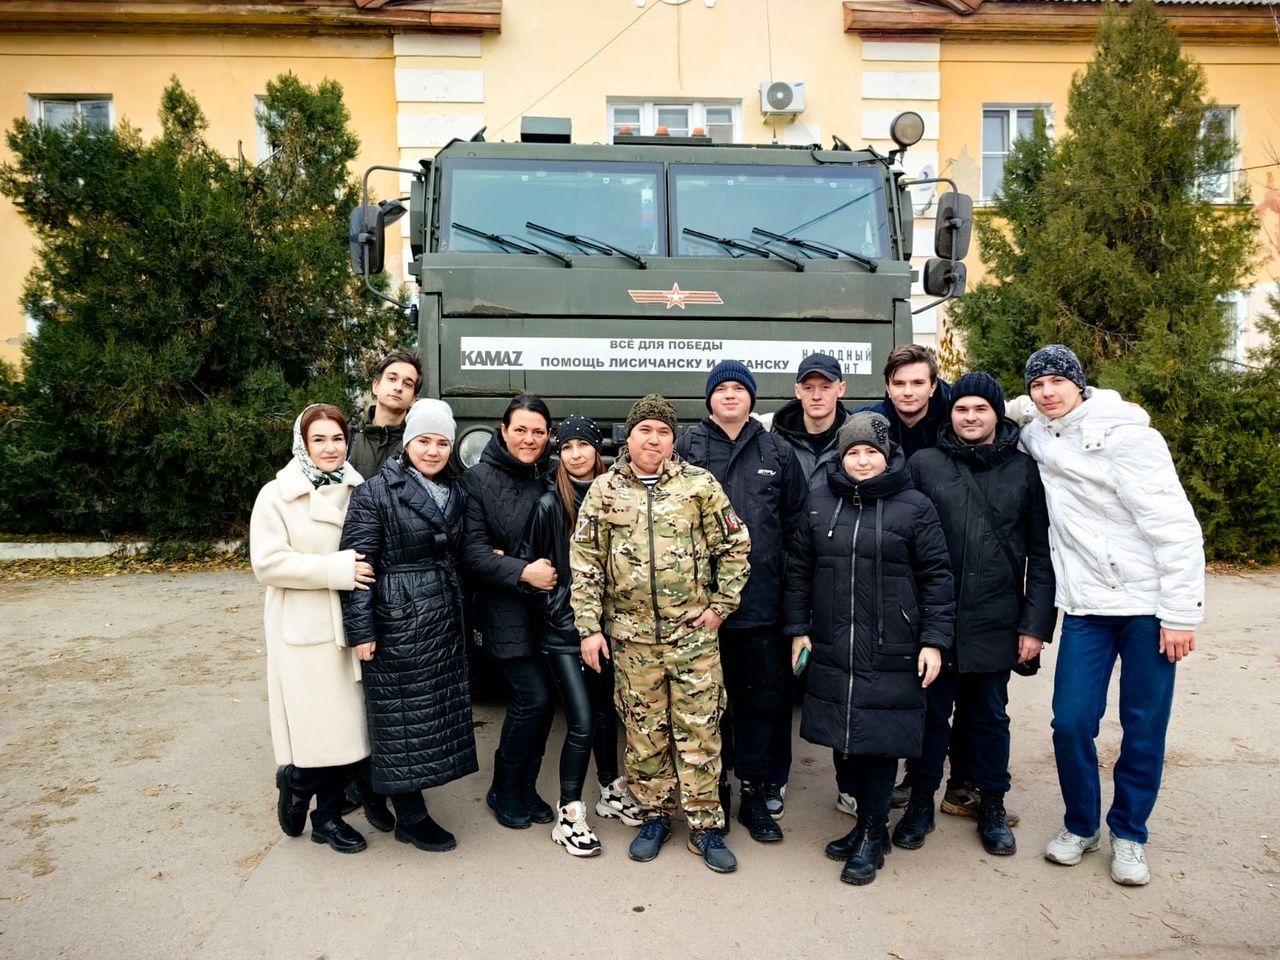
(755, 664)
(410, 807)
(327, 784)
(529, 712)
(872, 781)
(591, 723)
(982, 697)
(783, 723)
(1087, 654)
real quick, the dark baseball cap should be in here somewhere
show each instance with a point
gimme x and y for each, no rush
(822, 363)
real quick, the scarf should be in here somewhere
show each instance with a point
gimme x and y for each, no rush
(313, 473)
(439, 492)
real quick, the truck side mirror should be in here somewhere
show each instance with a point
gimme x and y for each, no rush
(954, 226)
(367, 235)
(944, 278)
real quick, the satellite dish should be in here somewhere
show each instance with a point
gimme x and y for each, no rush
(779, 95)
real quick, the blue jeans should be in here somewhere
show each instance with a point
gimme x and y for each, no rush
(1086, 655)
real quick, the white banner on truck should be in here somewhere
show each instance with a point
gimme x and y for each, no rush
(643, 354)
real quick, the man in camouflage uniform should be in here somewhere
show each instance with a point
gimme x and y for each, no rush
(659, 559)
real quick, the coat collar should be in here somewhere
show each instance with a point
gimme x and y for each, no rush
(413, 494)
(326, 504)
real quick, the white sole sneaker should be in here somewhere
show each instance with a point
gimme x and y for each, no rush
(1068, 848)
(1129, 863)
(846, 804)
(572, 832)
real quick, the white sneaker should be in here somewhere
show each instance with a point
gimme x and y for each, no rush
(1129, 863)
(775, 800)
(1067, 848)
(572, 833)
(847, 803)
(617, 802)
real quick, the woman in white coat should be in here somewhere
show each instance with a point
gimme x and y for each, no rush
(313, 679)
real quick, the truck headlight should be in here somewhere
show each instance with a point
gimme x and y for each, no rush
(472, 445)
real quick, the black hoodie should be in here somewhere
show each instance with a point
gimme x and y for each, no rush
(812, 451)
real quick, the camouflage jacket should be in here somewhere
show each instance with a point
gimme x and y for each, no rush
(647, 562)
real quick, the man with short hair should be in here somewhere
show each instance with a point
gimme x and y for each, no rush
(1128, 556)
(659, 561)
(377, 434)
(992, 508)
(767, 489)
(915, 398)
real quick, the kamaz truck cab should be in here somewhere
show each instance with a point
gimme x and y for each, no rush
(592, 274)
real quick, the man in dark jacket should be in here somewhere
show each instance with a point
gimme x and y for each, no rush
(991, 503)
(377, 434)
(915, 398)
(767, 488)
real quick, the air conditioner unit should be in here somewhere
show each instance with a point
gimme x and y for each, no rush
(781, 97)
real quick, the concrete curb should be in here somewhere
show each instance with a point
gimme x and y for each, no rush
(79, 550)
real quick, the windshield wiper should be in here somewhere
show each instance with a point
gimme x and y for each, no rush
(823, 248)
(511, 243)
(731, 244)
(588, 243)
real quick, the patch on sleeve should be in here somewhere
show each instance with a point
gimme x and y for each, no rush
(730, 519)
(585, 531)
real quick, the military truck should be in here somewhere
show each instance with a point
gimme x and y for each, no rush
(591, 274)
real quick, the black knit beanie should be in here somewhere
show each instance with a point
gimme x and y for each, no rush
(577, 427)
(731, 370)
(979, 384)
(1055, 360)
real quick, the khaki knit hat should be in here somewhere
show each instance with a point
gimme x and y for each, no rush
(652, 407)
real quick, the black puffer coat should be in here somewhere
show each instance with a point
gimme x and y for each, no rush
(994, 602)
(417, 697)
(546, 535)
(868, 578)
(767, 488)
(501, 492)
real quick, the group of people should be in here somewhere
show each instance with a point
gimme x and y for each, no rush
(902, 560)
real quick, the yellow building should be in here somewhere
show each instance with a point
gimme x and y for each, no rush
(421, 72)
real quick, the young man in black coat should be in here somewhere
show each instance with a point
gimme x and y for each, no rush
(992, 507)
(766, 485)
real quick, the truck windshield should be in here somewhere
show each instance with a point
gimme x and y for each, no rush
(617, 203)
(832, 204)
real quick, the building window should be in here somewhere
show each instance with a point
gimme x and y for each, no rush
(266, 149)
(65, 111)
(1002, 126)
(1220, 123)
(720, 121)
(1235, 310)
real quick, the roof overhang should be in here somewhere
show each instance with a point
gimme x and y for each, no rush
(1047, 20)
(295, 17)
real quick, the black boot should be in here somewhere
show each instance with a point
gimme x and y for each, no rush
(868, 854)
(997, 838)
(539, 810)
(754, 815)
(374, 804)
(726, 801)
(504, 797)
(916, 823)
(842, 849)
(426, 834)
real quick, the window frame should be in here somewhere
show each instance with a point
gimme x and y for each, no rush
(648, 111)
(1010, 110)
(36, 103)
(1229, 175)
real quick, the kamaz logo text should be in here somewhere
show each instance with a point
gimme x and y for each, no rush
(491, 358)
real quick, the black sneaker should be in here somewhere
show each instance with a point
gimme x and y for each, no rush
(291, 807)
(775, 799)
(997, 838)
(708, 843)
(338, 835)
(754, 815)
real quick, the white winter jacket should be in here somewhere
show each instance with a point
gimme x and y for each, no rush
(1124, 539)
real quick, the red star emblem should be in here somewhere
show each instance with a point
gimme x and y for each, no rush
(675, 297)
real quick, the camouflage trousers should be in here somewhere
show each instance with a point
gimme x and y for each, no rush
(670, 697)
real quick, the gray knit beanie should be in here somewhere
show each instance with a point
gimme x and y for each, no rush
(429, 415)
(1055, 360)
(865, 427)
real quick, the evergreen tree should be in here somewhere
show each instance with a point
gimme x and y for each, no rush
(189, 307)
(1105, 241)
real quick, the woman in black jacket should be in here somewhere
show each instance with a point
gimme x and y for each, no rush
(407, 630)
(501, 490)
(869, 597)
(587, 695)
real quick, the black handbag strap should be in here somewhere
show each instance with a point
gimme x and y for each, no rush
(992, 523)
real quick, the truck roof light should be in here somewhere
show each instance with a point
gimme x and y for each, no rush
(699, 132)
(907, 129)
(662, 132)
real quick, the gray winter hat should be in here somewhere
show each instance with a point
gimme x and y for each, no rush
(1055, 360)
(865, 427)
(429, 415)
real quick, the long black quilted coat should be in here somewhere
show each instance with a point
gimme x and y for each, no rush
(417, 698)
(869, 579)
(501, 492)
